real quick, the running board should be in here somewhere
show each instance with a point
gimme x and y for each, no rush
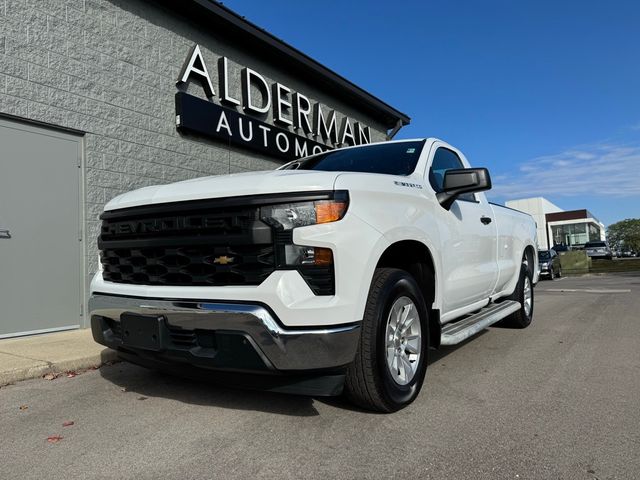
(454, 333)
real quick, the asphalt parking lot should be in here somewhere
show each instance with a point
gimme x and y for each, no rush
(557, 400)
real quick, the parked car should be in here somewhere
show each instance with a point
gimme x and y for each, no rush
(626, 253)
(339, 270)
(549, 264)
(599, 250)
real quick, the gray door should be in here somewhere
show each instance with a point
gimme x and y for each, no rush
(40, 251)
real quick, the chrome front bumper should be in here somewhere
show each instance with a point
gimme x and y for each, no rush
(279, 348)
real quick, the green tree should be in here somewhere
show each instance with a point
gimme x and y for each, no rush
(625, 233)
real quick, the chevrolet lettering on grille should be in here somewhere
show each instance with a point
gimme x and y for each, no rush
(156, 225)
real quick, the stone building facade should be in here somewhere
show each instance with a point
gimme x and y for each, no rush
(105, 72)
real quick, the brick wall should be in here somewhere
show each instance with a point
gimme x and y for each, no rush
(108, 68)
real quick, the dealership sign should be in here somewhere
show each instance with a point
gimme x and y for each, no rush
(290, 111)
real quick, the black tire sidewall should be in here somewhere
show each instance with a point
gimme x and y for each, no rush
(525, 273)
(397, 285)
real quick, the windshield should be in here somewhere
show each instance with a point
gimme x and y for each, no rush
(594, 244)
(544, 255)
(393, 158)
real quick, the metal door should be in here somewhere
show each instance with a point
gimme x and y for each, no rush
(40, 249)
(468, 240)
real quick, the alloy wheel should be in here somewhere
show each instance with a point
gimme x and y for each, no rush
(403, 340)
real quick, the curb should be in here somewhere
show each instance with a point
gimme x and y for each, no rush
(29, 357)
(39, 368)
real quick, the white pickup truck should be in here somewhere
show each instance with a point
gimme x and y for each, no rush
(335, 272)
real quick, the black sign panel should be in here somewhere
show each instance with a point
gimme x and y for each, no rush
(202, 117)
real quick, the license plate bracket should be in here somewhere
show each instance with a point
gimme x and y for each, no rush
(142, 331)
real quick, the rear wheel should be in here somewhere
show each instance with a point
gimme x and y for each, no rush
(388, 371)
(523, 294)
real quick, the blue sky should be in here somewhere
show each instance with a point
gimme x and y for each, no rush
(544, 93)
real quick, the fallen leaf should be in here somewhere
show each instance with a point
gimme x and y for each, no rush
(68, 423)
(51, 376)
(54, 438)
(23, 407)
(123, 389)
(71, 374)
(142, 398)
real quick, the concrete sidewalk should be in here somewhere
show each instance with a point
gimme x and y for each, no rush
(35, 356)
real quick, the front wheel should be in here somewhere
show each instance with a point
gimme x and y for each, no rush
(390, 364)
(524, 295)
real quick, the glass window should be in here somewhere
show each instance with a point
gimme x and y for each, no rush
(574, 235)
(393, 158)
(443, 160)
(594, 232)
(595, 244)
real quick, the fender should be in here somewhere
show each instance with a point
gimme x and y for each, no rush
(389, 238)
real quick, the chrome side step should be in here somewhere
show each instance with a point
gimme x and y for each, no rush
(454, 333)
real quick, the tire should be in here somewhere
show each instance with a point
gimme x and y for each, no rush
(370, 382)
(522, 318)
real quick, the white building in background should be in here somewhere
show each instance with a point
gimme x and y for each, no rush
(537, 207)
(572, 228)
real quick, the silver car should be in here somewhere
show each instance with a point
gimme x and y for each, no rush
(598, 250)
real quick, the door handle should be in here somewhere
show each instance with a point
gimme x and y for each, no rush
(5, 233)
(485, 220)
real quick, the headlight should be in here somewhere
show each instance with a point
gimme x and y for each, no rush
(544, 264)
(288, 216)
(315, 264)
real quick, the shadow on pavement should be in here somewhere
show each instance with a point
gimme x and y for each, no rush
(435, 356)
(151, 383)
(208, 393)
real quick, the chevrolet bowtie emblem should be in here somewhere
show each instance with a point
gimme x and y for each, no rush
(223, 260)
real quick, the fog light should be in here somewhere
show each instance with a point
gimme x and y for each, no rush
(302, 255)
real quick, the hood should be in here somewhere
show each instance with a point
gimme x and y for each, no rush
(234, 185)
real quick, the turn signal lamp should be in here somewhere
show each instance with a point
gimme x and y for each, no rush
(287, 216)
(329, 211)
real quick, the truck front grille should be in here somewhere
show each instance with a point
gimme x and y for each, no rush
(197, 265)
(186, 244)
(210, 242)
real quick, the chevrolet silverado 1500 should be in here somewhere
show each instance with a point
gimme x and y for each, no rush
(337, 272)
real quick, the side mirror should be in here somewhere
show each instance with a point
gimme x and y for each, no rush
(462, 180)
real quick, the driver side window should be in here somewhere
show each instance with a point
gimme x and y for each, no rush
(443, 160)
